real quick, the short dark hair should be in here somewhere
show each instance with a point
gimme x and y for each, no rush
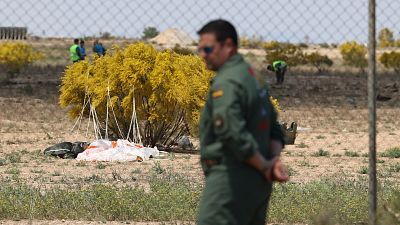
(222, 30)
(76, 41)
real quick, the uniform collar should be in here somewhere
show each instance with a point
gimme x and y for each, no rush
(233, 60)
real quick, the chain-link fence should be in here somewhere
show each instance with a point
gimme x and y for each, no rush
(323, 41)
(307, 21)
(318, 25)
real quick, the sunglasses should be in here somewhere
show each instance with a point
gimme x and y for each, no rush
(206, 49)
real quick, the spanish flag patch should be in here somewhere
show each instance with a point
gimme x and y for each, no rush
(217, 93)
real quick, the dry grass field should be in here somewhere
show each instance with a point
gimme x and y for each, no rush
(329, 120)
(332, 141)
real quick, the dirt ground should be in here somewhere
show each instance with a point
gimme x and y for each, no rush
(330, 111)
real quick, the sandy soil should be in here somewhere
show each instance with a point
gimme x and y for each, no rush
(328, 121)
(331, 114)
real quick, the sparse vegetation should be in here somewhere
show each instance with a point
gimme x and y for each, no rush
(351, 154)
(391, 153)
(14, 157)
(157, 168)
(172, 197)
(363, 170)
(302, 145)
(100, 166)
(320, 62)
(37, 171)
(394, 168)
(136, 171)
(290, 53)
(56, 174)
(385, 38)
(150, 32)
(31, 116)
(81, 164)
(14, 56)
(354, 54)
(12, 170)
(320, 153)
(391, 60)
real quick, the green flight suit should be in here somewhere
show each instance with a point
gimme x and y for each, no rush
(237, 120)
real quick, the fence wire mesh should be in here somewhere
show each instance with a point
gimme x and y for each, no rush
(320, 25)
(308, 21)
(312, 26)
(327, 96)
(264, 27)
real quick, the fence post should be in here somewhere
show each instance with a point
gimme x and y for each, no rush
(372, 198)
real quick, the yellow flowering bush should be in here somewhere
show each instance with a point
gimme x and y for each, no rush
(391, 60)
(169, 90)
(16, 55)
(354, 54)
(275, 103)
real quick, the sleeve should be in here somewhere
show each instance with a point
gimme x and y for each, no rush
(229, 123)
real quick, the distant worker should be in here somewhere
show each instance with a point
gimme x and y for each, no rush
(82, 49)
(74, 51)
(279, 67)
(98, 48)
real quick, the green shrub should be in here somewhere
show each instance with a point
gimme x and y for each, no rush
(321, 152)
(254, 42)
(391, 60)
(320, 62)
(354, 54)
(391, 153)
(150, 32)
(290, 53)
(363, 170)
(169, 90)
(351, 154)
(15, 56)
(385, 38)
(182, 51)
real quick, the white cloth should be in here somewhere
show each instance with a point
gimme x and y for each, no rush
(120, 150)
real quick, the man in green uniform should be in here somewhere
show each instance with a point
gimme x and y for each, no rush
(74, 51)
(240, 139)
(279, 67)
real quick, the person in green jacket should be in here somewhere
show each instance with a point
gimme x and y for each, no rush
(279, 67)
(240, 138)
(75, 52)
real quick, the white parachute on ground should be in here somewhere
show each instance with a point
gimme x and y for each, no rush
(120, 150)
(129, 148)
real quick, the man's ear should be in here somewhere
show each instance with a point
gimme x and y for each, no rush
(229, 45)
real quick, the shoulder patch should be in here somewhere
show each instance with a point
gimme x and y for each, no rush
(217, 93)
(251, 71)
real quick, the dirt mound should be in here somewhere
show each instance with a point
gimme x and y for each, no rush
(172, 36)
